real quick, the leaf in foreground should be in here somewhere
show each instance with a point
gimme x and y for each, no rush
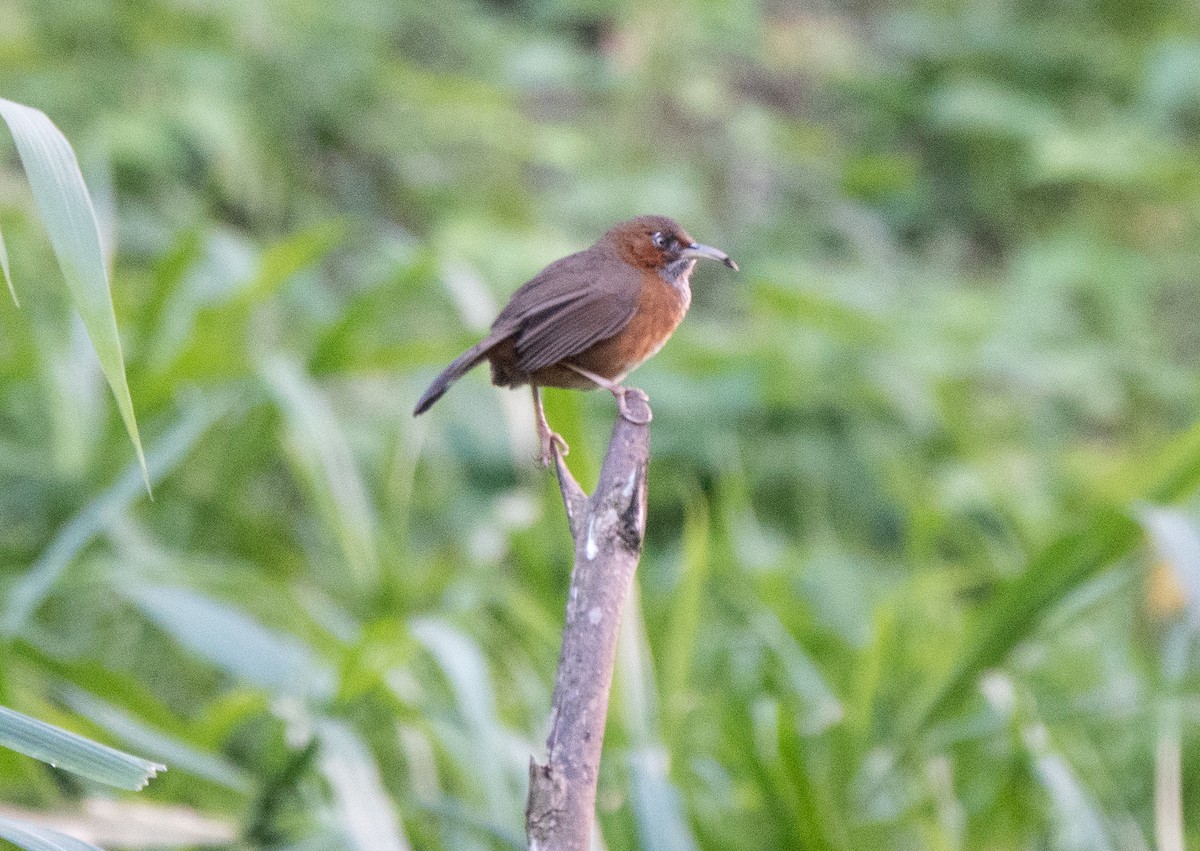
(7, 272)
(135, 733)
(66, 210)
(74, 753)
(33, 837)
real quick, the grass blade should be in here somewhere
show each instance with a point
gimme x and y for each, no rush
(818, 706)
(7, 272)
(324, 457)
(234, 642)
(66, 210)
(1107, 535)
(129, 824)
(29, 592)
(74, 753)
(135, 733)
(1168, 780)
(686, 609)
(658, 806)
(33, 837)
(1078, 820)
(362, 802)
(464, 665)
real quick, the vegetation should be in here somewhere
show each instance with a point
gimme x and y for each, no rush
(911, 577)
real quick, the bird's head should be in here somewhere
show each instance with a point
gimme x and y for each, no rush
(658, 243)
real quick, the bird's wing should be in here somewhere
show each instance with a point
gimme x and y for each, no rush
(566, 309)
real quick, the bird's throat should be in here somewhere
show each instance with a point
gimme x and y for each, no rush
(677, 274)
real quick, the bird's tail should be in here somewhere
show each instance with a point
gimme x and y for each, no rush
(456, 370)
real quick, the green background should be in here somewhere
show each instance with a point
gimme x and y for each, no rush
(894, 593)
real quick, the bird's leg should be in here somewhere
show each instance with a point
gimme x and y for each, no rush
(616, 389)
(545, 434)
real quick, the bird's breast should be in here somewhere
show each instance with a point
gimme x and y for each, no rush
(661, 307)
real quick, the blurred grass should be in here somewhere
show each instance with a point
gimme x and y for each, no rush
(894, 591)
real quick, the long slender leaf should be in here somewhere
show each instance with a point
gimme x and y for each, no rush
(687, 603)
(1168, 778)
(322, 453)
(170, 449)
(818, 705)
(234, 642)
(66, 210)
(129, 823)
(362, 802)
(657, 804)
(1107, 535)
(1079, 823)
(7, 272)
(72, 752)
(820, 820)
(137, 734)
(34, 837)
(465, 667)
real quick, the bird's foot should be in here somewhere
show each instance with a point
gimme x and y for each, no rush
(552, 442)
(621, 392)
(638, 414)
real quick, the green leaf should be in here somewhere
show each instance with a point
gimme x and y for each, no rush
(686, 611)
(292, 255)
(235, 642)
(74, 753)
(658, 807)
(324, 459)
(819, 708)
(222, 336)
(28, 593)
(133, 732)
(465, 667)
(7, 272)
(818, 819)
(1077, 818)
(34, 837)
(1108, 534)
(361, 800)
(66, 210)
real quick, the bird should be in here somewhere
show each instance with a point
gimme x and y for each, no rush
(588, 320)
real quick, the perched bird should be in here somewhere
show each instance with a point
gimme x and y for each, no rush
(589, 319)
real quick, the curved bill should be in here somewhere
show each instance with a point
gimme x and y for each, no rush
(697, 250)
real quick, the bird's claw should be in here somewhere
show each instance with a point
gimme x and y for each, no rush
(626, 413)
(552, 441)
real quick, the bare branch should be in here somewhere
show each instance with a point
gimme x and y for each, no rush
(608, 529)
(574, 499)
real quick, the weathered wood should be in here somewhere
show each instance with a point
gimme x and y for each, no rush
(608, 528)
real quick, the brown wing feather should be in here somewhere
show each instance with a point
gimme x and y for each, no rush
(568, 307)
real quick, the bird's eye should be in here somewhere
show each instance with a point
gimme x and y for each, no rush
(661, 240)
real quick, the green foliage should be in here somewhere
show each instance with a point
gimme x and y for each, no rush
(70, 752)
(896, 591)
(66, 210)
(33, 837)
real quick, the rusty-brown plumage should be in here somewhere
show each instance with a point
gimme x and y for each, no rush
(589, 319)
